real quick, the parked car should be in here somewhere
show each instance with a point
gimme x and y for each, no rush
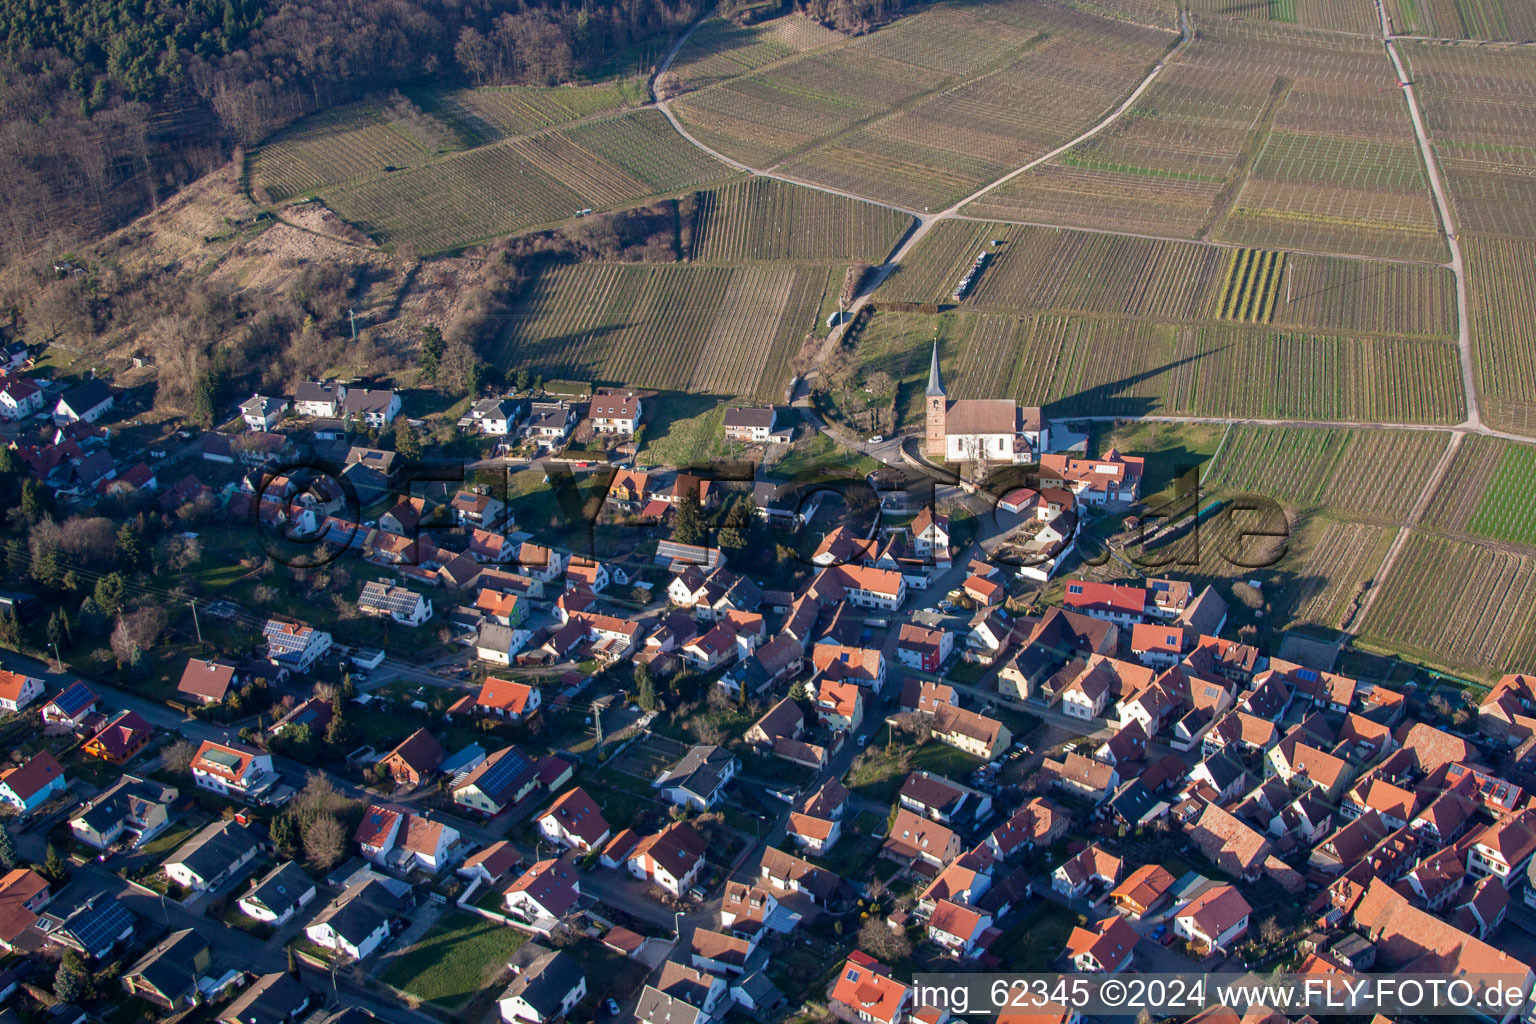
(611, 1006)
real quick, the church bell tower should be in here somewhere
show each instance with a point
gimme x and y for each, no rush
(937, 406)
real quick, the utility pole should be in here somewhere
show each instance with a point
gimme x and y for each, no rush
(195, 624)
(352, 314)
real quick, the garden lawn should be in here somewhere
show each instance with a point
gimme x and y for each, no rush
(460, 957)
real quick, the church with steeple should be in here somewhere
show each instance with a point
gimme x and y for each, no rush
(980, 429)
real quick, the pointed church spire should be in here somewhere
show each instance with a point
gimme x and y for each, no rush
(935, 382)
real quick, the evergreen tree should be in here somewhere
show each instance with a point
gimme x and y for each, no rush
(522, 380)
(54, 869)
(32, 502)
(10, 630)
(407, 441)
(109, 594)
(70, 979)
(7, 847)
(645, 686)
(91, 622)
(130, 547)
(689, 526)
(339, 731)
(283, 833)
(432, 346)
(56, 629)
(738, 523)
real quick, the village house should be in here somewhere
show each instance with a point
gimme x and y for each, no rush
(699, 779)
(71, 706)
(18, 690)
(120, 738)
(28, 786)
(376, 408)
(261, 412)
(493, 417)
(380, 598)
(233, 770)
(504, 779)
(414, 759)
(613, 413)
(1103, 947)
(356, 922)
(755, 425)
(575, 821)
(212, 856)
(278, 895)
(864, 986)
(546, 990)
(671, 858)
(922, 648)
(1214, 920)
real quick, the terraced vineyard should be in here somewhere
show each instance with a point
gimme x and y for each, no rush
(1456, 500)
(1253, 285)
(1266, 136)
(707, 330)
(1337, 558)
(525, 181)
(1034, 268)
(1094, 366)
(1459, 604)
(492, 113)
(337, 145)
(764, 219)
(719, 49)
(1478, 111)
(1335, 15)
(1507, 511)
(1463, 19)
(1501, 286)
(1340, 470)
(764, 117)
(941, 150)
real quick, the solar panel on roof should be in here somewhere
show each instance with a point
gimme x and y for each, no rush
(504, 771)
(75, 699)
(99, 924)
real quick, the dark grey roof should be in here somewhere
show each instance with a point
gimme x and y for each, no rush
(750, 417)
(282, 888)
(700, 772)
(935, 381)
(168, 968)
(85, 397)
(360, 910)
(546, 982)
(210, 853)
(270, 999)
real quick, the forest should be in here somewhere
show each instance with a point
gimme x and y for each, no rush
(107, 106)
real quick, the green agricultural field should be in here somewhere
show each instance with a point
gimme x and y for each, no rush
(1253, 285)
(1507, 510)
(1061, 270)
(727, 331)
(1092, 366)
(1457, 604)
(1311, 468)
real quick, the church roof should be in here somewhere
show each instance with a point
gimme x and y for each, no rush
(982, 416)
(935, 382)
